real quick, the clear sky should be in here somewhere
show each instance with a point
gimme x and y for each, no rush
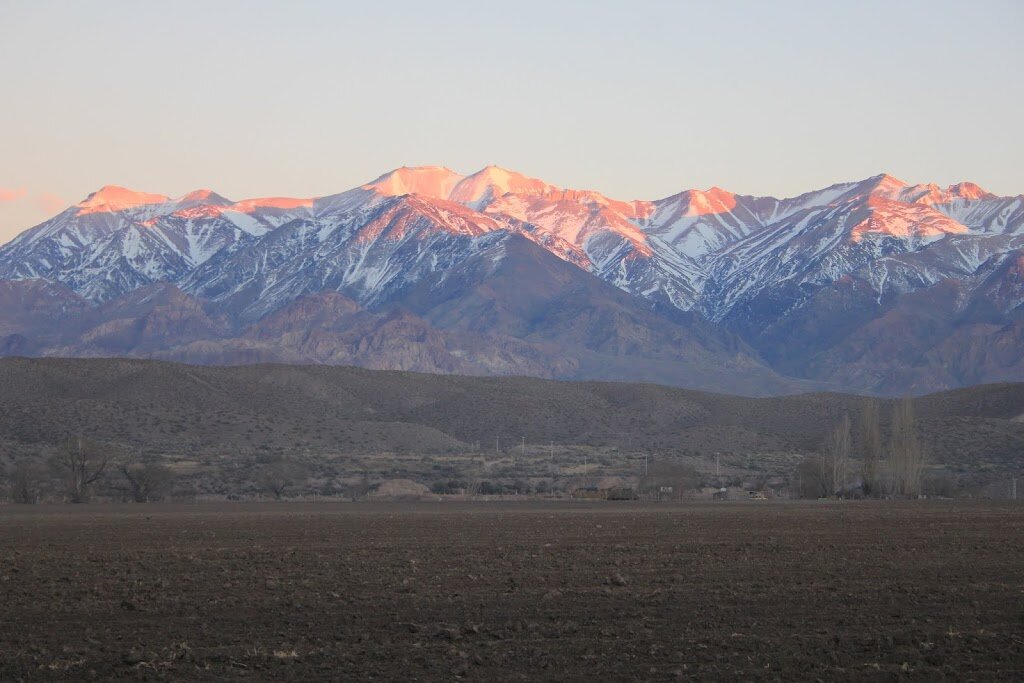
(634, 98)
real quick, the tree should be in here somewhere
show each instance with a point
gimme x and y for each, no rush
(488, 488)
(26, 482)
(906, 455)
(359, 489)
(811, 481)
(146, 481)
(81, 462)
(520, 487)
(837, 457)
(449, 486)
(871, 445)
(278, 477)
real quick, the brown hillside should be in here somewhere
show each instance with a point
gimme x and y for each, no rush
(166, 408)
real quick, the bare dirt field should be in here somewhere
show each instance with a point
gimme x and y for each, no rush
(533, 591)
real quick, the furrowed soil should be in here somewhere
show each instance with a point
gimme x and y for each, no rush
(533, 591)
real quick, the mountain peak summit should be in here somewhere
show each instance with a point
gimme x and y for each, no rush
(491, 182)
(435, 182)
(116, 198)
(968, 190)
(204, 196)
(886, 182)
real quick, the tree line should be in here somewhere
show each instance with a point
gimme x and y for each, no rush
(79, 466)
(855, 460)
(895, 467)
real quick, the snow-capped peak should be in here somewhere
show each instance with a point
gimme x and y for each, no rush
(968, 190)
(894, 189)
(115, 198)
(885, 185)
(435, 182)
(282, 203)
(487, 184)
(714, 200)
(202, 196)
(704, 249)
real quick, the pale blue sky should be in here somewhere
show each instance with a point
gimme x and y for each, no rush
(635, 99)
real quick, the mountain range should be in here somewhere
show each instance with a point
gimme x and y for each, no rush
(872, 286)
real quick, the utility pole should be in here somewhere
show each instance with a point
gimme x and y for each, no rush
(1014, 489)
(496, 449)
(524, 446)
(645, 464)
(718, 465)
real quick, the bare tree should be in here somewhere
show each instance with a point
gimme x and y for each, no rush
(81, 463)
(26, 481)
(146, 481)
(906, 455)
(836, 462)
(811, 477)
(871, 445)
(278, 477)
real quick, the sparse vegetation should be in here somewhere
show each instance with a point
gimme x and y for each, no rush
(146, 482)
(27, 481)
(80, 463)
(279, 477)
(301, 431)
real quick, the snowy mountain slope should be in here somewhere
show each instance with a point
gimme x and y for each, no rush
(796, 278)
(118, 240)
(365, 252)
(712, 250)
(896, 246)
(602, 235)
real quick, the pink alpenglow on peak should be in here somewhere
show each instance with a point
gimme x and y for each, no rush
(713, 201)
(968, 190)
(197, 195)
(281, 203)
(110, 198)
(435, 182)
(904, 220)
(202, 196)
(493, 182)
(889, 183)
(895, 189)
(195, 204)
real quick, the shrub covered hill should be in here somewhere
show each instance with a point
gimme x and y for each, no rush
(158, 409)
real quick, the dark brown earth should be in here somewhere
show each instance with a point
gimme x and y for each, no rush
(536, 591)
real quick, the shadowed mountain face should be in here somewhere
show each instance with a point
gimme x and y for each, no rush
(474, 319)
(874, 286)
